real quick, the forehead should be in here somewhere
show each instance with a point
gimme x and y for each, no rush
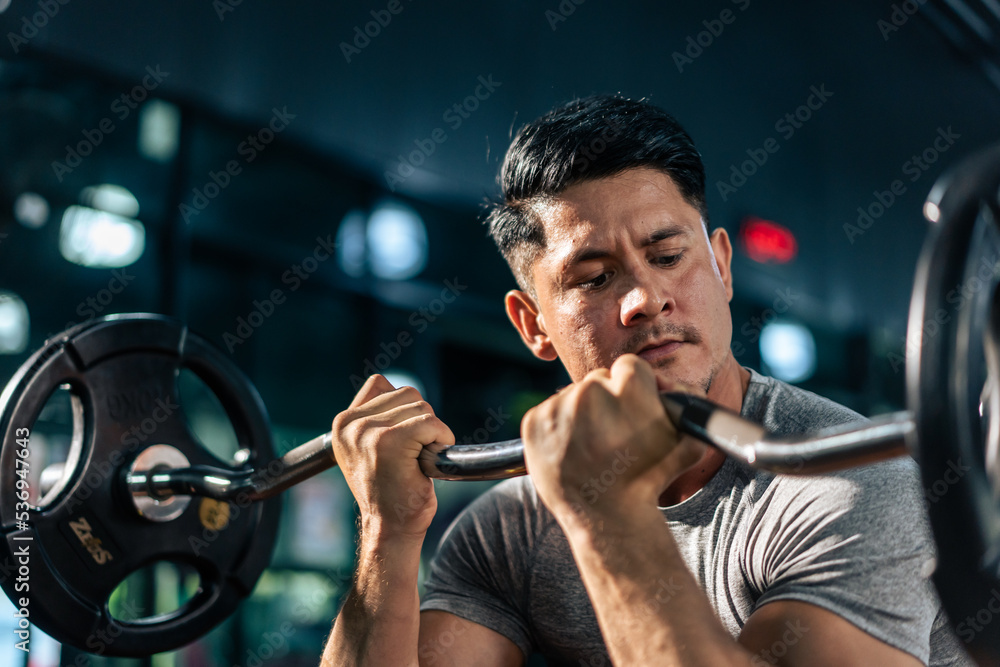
(609, 210)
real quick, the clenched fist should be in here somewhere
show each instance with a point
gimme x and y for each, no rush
(376, 442)
(605, 442)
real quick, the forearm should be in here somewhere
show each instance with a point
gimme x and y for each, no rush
(379, 623)
(648, 605)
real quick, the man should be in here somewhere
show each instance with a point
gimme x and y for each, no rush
(629, 544)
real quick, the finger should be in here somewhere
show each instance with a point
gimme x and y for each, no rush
(426, 429)
(630, 370)
(375, 385)
(398, 414)
(597, 376)
(387, 401)
(540, 419)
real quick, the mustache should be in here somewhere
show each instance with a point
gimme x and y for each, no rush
(641, 339)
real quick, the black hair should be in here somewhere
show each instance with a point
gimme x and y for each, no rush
(585, 139)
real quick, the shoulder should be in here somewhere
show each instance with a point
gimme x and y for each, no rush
(887, 491)
(888, 488)
(787, 410)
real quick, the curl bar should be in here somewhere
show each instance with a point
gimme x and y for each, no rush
(830, 449)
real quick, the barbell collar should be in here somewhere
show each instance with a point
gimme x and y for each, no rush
(303, 462)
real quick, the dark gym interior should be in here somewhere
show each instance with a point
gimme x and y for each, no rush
(305, 189)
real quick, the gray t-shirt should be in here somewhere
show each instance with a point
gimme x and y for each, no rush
(855, 542)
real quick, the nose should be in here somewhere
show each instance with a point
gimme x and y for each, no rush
(645, 299)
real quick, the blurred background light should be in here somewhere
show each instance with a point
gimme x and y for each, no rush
(767, 242)
(111, 198)
(100, 239)
(14, 325)
(4, 5)
(397, 241)
(31, 210)
(788, 350)
(159, 130)
(351, 243)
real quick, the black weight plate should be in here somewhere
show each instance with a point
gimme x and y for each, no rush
(952, 317)
(90, 538)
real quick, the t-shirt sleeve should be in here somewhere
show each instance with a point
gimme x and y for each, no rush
(478, 570)
(856, 543)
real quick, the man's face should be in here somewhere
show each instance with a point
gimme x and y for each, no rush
(628, 267)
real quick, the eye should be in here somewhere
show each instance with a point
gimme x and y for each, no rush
(669, 260)
(595, 283)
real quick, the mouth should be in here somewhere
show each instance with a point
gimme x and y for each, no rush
(656, 351)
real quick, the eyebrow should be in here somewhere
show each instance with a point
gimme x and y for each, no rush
(662, 234)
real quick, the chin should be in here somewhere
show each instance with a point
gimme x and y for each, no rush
(668, 372)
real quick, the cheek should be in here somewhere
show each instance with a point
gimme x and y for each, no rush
(581, 331)
(717, 317)
(706, 300)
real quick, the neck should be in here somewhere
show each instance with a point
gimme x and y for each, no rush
(729, 386)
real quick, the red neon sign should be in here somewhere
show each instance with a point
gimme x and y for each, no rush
(767, 242)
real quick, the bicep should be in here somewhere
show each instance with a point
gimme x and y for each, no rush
(788, 632)
(447, 639)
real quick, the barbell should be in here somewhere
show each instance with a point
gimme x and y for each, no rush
(122, 502)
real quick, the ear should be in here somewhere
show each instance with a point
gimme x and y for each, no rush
(723, 251)
(526, 317)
